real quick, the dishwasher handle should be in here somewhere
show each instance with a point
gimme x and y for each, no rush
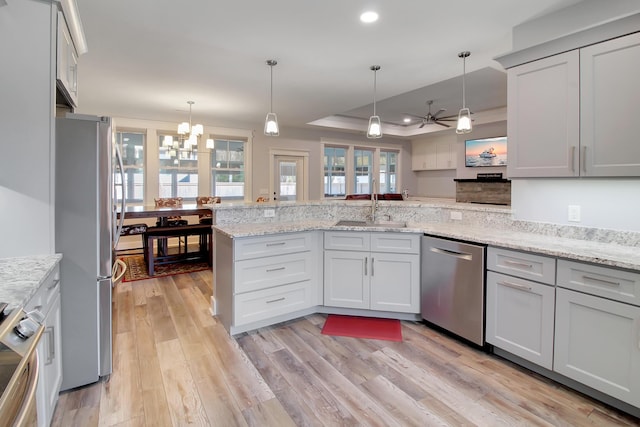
(461, 255)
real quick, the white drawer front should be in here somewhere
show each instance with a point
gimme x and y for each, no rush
(49, 288)
(285, 243)
(606, 282)
(528, 266)
(400, 243)
(261, 273)
(267, 303)
(347, 240)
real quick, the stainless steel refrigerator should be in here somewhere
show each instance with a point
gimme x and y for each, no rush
(84, 235)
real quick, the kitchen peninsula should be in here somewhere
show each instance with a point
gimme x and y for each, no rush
(273, 263)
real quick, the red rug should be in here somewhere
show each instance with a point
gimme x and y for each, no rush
(363, 327)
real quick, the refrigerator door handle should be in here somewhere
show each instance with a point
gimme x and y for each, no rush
(116, 235)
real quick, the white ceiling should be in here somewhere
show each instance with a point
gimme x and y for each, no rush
(147, 58)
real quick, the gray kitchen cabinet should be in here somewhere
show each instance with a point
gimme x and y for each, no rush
(520, 311)
(46, 301)
(439, 154)
(543, 117)
(573, 114)
(67, 63)
(597, 334)
(266, 279)
(372, 270)
(609, 94)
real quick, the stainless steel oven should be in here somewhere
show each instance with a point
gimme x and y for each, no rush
(19, 336)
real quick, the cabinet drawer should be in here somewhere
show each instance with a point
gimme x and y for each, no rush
(528, 266)
(347, 240)
(267, 303)
(606, 282)
(400, 243)
(45, 294)
(261, 273)
(286, 243)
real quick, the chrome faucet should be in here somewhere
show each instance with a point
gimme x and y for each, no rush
(374, 201)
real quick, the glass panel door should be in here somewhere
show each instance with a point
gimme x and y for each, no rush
(289, 178)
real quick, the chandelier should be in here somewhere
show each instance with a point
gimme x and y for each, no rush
(190, 132)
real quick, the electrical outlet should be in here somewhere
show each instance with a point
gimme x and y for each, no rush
(269, 213)
(573, 213)
(455, 215)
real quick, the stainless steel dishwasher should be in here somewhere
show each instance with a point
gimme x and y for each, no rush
(452, 288)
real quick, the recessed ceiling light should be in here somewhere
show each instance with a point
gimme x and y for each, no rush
(407, 120)
(368, 17)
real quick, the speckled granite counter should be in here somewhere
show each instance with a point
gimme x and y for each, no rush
(21, 277)
(610, 254)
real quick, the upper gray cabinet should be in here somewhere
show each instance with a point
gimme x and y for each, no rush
(67, 63)
(573, 114)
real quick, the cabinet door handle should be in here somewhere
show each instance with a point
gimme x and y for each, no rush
(269, 270)
(372, 260)
(584, 159)
(54, 284)
(573, 158)
(276, 244)
(51, 354)
(275, 300)
(518, 263)
(515, 286)
(595, 279)
(365, 265)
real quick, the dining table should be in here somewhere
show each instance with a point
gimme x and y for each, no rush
(151, 211)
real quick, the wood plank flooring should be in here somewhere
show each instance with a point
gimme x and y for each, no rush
(175, 365)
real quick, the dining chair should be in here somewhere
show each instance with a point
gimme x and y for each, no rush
(206, 218)
(133, 230)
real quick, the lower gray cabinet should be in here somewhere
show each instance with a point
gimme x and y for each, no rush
(520, 317)
(597, 340)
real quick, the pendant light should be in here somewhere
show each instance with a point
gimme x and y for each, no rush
(271, 122)
(375, 129)
(464, 116)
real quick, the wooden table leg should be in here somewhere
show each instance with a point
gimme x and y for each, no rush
(150, 255)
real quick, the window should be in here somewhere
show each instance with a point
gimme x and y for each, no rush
(178, 168)
(363, 170)
(334, 171)
(227, 169)
(388, 163)
(132, 144)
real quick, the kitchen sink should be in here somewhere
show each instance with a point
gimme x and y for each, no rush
(382, 223)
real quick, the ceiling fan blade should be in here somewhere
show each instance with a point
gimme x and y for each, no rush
(442, 124)
(447, 120)
(422, 125)
(442, 110)
(413, 115)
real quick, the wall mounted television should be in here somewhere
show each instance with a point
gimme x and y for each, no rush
(485, 152)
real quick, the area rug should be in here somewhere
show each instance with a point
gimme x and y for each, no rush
(363, 327)
(137, 269)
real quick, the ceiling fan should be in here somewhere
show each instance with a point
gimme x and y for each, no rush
(430, 119)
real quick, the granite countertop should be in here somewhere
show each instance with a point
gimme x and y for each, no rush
(21, 277)
(607, 254)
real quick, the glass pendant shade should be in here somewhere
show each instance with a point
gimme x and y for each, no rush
(375, 129)
(210, 143)
(271, 125)
(183, 128)
(197, 130)
(464, 121)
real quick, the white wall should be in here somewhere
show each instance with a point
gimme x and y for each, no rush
(26, 124)
(309, 140)
(604, 203)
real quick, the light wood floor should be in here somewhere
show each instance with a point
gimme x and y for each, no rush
(175, 365)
